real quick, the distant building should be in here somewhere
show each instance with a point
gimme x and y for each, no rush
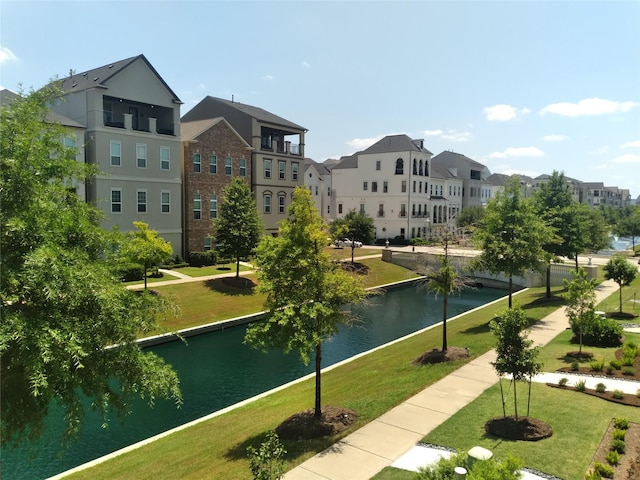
(317, 178)
(277, 155)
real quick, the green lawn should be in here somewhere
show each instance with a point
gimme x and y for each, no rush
(211, 270)
(150, 280)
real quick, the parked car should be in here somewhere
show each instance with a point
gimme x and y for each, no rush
(345, 242)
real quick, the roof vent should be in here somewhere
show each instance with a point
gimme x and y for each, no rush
(95, 79)
(111, 66)
(74, 85)
(84, 74)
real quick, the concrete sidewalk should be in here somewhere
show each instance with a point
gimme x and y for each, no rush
(365, 452)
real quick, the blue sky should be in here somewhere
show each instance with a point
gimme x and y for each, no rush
(520, 86)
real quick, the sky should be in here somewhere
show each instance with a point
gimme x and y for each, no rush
(520, 86)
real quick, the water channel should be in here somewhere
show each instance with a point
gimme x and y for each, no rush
(216, 370)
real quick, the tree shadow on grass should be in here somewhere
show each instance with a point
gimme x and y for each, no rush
(231, 285)
(482, 328)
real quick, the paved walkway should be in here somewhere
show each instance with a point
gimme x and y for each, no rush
(378, 444)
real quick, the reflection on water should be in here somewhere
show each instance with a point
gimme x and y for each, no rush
(217, 370)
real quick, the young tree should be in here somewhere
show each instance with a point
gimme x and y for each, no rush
(62, 303)
(581, 302)
(146, 247)
(629, 226)
(267, 463)
(516, 357)
(238, 228)
(620, 271)
(305, 291)
(359, 228)
(511, 236)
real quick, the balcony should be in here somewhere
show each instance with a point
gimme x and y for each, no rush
(139, 117)
(273, 140)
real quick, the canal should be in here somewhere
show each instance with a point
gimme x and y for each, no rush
(217, 370)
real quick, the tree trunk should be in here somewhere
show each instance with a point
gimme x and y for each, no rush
(577, 262)
(145, 276)
(353, 250)
(504, 409)
(318, 409)
(549, 280)
(237, 267)
(515, 398)
(445, 302)
(620, 290)
(510, 290)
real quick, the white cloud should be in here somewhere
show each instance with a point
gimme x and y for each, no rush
(633, 144)
(269, 77)
(362, 143)
(306, 64)
(503, 113)
(588, 106)
(518, 152)
(627, 158)
(202, 87)
(555, 138)
(7, 55)
(451, 135)
(600, 151)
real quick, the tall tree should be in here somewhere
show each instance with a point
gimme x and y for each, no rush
(360, 228)
(629, 226)
(305, 291)
(620, 271)
(146, 247)
(511, 236)
(515, 354)
(62, 303)
(238, 228)
(581, 302)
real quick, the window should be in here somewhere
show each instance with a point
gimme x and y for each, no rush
(197, 206)
(213, 164)
(328, 191)
(294, 171)
(69, 142)
(374, 186)
(267, 202)
(207, 244)
(116, 153)
(362, 208)
(281, 202)
(413, 209)
(339, 208)
(196, 163)
(403, 186)
(381, 210)
(414, 186)
(316, 190)
(141, 155)
(116, 200)
(420, 170)
(281, 169)
(403, 209)
(228, 162)
(415, 166)
(267, 168)
(420, 187)
(165, 158)
(426, 168)
(243, 167)
(377, 164)
(385, 187)
(213, 206)
(365, 185)
(142, 201)
(399, 166)
(402, 232)
(165, 202)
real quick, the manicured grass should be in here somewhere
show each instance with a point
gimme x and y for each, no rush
(164, 278)
(345, 253)
(212, 270)
(370, 385)
(630, 299)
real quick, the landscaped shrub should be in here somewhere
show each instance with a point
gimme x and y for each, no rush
(618, 394)
(581, 385)
(621, 423)
(629, 349)
(593, 476)
(617, 446)
(619, 434)
(617, 364)
(575, 365)
(504, 469)
(202, 259)
(628, 361)
(613, 458)
(599, 332)
(610, 370)
(563, 381)
(628, 371)
(131, 272)
(605, 471)
(597, 365)
(601, 388)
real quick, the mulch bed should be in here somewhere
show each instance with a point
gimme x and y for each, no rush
(438, 356)
(304, 425)
(522, 428)
(629, 466)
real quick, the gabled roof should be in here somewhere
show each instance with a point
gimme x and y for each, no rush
(498, 179)
(210, 107)
(396, 143)
(448, 157)
(7, 97)
(99, 77)
(347, 161)
(192, 130)
(321, 168)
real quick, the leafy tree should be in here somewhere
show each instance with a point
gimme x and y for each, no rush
(359, 228)
(470, 216)
(62, 303)
(581, 302)
(511, 236)
(266, 463)
(305, 291)
(515, 356)
(629, 226)
(620, 271)
(146, 247)
(238, 227)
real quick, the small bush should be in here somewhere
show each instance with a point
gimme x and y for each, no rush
(621, 423)
(563, 381)
(617, 446)
(598, 332)
(628, 371)
(618, 394)
(592, 476)
(131, 272)
(628, 361)
(605, 471)
(202, 259)
(597, 365)
(610, 370)
(617, 364)
(575, 365)
(601, 388)
(613, 458)
(619, 434)
(581, 385)
(629, 349)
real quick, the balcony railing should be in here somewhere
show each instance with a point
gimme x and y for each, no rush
(127, 122)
